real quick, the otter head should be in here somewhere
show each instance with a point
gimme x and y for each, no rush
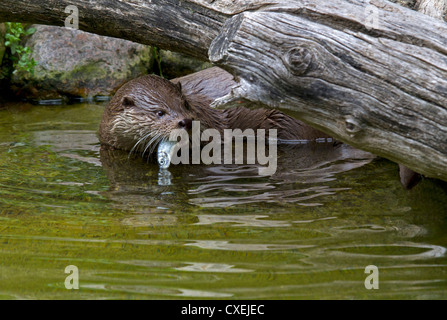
(144, 112)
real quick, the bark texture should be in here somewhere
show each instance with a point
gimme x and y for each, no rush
(369, 72)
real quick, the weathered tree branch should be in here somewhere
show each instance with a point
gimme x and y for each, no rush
(434, 8)
(371, 73)
(182, 26)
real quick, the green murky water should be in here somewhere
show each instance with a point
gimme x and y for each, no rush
(203, 232)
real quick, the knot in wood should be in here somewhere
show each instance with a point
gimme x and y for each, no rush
(298, 60)
(352, 125)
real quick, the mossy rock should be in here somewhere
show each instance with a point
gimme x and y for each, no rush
(74, 63)
(177, 65)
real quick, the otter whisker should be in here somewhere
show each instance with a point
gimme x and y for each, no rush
(157, 142)
(147, 144)
(151, 142)
(139, 141)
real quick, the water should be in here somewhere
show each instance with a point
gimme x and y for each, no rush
(206, 232)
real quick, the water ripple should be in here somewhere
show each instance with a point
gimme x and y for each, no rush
(226, 245)
(212, 267)
(152, 290)
(241, 220)
(433, 251)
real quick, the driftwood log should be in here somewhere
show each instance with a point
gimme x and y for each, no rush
(369, 72)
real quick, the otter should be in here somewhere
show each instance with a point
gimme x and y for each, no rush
(144, 111)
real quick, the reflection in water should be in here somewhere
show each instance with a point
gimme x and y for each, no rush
(157, 291)
(432, 252)
(225, 245)
(62, 140)
(301, 176)
(218, 231)
(241, 220)
(164, 177)
(147, 220)
(211, 267)
(70, 140)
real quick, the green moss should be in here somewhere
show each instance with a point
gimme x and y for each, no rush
(84, 71)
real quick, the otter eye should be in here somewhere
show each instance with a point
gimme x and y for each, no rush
(160, 113)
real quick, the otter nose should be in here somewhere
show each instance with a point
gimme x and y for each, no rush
(185, 123)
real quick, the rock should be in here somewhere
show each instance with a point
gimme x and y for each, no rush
(176, 65)
(74, 63)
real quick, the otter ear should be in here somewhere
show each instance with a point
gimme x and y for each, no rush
(128, 101)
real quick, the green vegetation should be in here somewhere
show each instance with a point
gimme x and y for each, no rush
(157, 56)
(19, 56)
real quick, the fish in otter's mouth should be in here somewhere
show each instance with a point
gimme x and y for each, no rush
(144, 112)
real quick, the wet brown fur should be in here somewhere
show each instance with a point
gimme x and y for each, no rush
(132, 113)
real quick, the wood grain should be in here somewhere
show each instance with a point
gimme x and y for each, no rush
(369, 72)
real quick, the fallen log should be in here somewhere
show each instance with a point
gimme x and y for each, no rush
(371, 73)
(435, 9)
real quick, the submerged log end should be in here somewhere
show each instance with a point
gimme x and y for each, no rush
(408, 178)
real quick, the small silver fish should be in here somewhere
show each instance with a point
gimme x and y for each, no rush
(164, 153)
(164, 177)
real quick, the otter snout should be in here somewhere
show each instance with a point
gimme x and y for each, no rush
(185, 124)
